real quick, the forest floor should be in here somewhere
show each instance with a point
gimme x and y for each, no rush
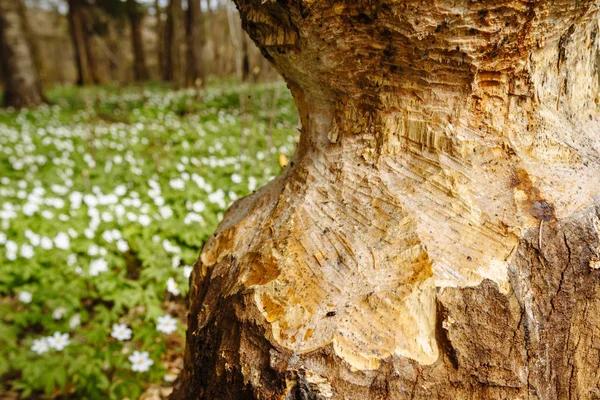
(106, 198)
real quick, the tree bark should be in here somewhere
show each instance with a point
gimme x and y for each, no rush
(140, 70)
(437, 233)
(83, 45)
(175, 44)
(76, 27)
(196, 73)
(160, 46)
(22, 83)
(246, 73)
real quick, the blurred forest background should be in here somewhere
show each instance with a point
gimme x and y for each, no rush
(87, 42)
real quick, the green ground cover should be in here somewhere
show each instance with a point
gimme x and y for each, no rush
(106, 197)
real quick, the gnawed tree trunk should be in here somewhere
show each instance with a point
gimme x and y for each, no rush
(22, 83)
(140, 71)
(196, 73)
(437, 232)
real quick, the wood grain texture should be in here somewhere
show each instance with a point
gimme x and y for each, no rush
(435, 234)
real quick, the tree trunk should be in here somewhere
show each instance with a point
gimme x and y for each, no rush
(436, 235)
(196, 74)
(159, 40)
(22, 83)
(140, 71)
(114, 37)
(84, 57)
(246, 75)
(90, 52)
(174, 44)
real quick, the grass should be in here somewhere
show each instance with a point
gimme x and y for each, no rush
(106, 198)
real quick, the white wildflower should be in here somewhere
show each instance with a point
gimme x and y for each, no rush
(107, 217)
(121, 332)
(62, 241)
(29, 209)
(120, 190)
(122, 245)
(26, 251)
(40, 346)
(47, 214)
(59, 313)
(46, 243)
(97, 266)
(169, 248)
(74, 321)
(58, 341)
(71, 259)
(34, 238)
(11, 250)
(166, 324)
(236, 178)
(140, 361)
(93, 250)
(198, 206)
(192, 217)
(25, 297)
(165, 212)
(217, 197)
(172, 287)
(252, 183)
(177, 184)
(108, 236)
(144, 220)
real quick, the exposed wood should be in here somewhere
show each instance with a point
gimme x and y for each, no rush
(435, 235)
(21, 75)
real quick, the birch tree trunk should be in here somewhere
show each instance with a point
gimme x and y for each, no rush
(436, 235)
(22, 83)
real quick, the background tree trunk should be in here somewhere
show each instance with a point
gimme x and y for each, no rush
(90, 51)
(114, 36)
(79, 36)
(175, 44)
(437, 234)
(196, 73)
(160, 45)
(22, 83)
(140, 71)
(246, 73)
